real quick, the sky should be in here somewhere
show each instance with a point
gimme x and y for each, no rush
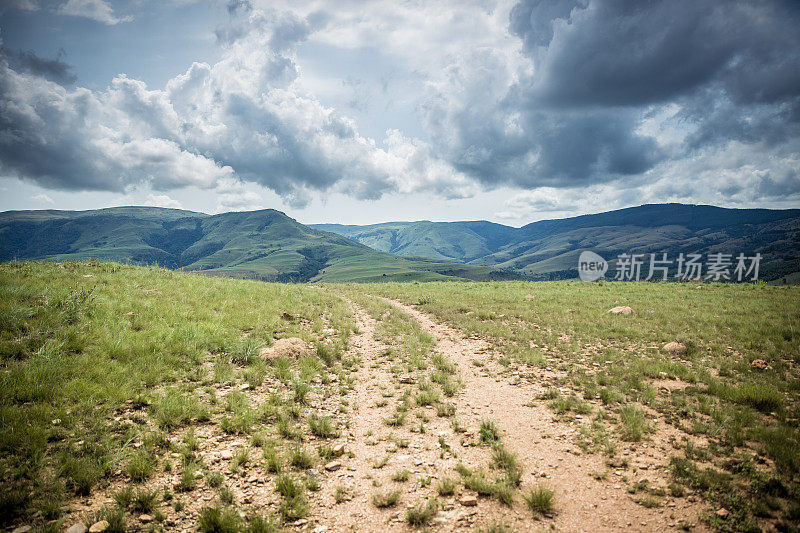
(361, 112)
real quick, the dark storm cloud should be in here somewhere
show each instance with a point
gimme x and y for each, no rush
(52, 69)
(630, 52)
(601, 67)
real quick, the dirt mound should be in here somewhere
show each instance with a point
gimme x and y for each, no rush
(289, 347)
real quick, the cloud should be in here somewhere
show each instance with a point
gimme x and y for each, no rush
(242, 119)
(554, 97)
(98, 10)
(615, 90)
(42, 198)
(162, 200)
(28, 62)
(24, 5)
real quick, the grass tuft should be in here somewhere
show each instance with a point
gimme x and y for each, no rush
(540, 500)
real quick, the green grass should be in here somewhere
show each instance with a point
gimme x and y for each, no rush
(219, 520)
(634, 425)
(382, 500)
(140, 466)
(508, 462)
(101, 374)
(422, 512)
(144, 501)
(322, 427)
(401, 476)
(446, 486)
(540, 500)
(488, 432)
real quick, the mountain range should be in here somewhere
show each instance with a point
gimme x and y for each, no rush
(266, 245)
(550, 248)
(271, 246)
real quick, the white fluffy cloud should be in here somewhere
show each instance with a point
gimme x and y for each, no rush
(42, 199)
(241, 119)
(162, 200)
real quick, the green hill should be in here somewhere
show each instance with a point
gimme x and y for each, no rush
(265, 245)
(455, 241)
(550, 248)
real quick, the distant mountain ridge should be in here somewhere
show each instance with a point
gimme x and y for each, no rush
(263, 244)
(271, 246)
(550, 248)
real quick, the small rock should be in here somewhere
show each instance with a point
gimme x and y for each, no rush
(407, 379)
(468, 500)
(674, 348)
(338, 449)
(722, 513)
(76, 528)
(22, 529)
(99, 527)
(145, 518)
(621, 310)
(226, 454)
(333, 466)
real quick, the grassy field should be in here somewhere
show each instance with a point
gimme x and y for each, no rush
(120, 383)
(738, 416)
(82, 342)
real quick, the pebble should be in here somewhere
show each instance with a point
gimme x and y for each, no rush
(226, 454)
(145, 518)
(333, 466)
(76, 528)
(22, 529)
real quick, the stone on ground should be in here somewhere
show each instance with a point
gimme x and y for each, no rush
(468, 500)
(621, 310)
(675, 348)
(99, 527)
